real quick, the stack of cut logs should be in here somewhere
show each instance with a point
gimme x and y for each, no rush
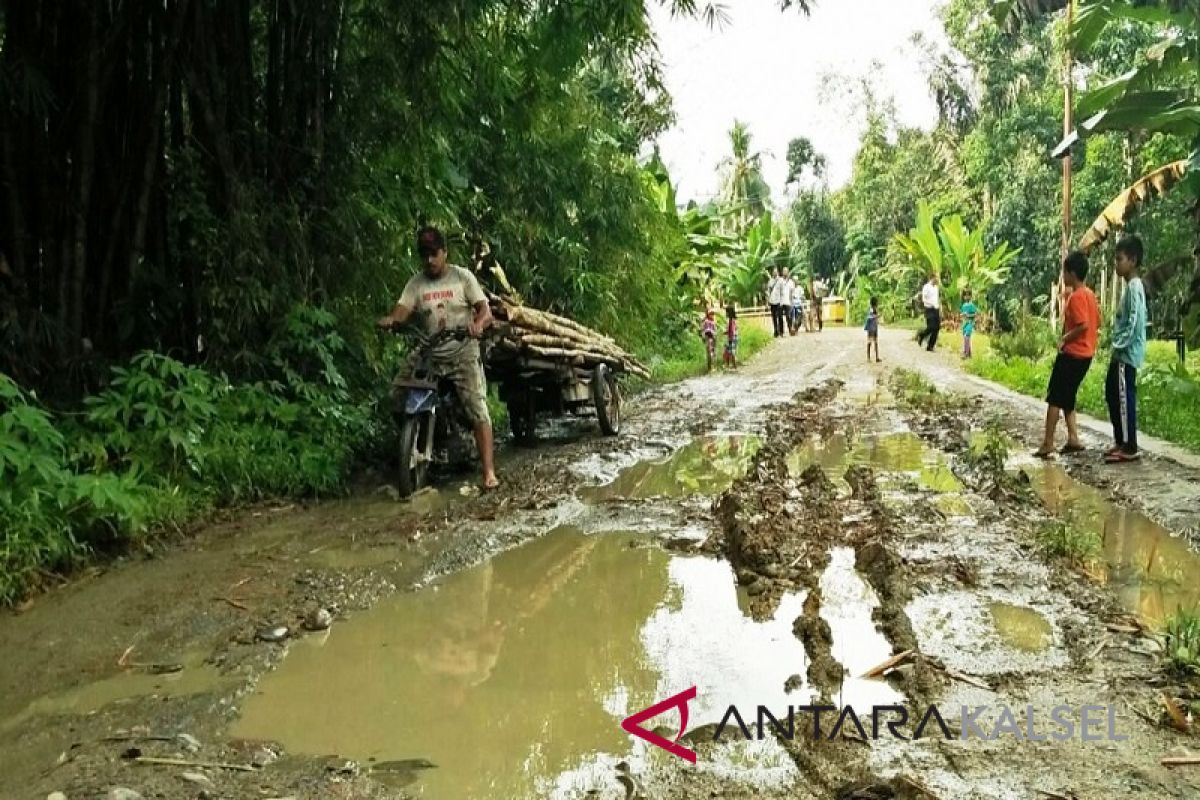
(544, 336)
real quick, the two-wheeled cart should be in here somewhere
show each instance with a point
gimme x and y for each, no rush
(545, 364)
(532, 386)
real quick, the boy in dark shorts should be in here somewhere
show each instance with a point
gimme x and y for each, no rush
(872, 329)
(1076, 348)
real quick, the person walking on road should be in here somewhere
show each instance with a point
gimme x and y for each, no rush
(818, 289)
(931, 299)
(1128, 354)
(1076, 348)
(775, 298)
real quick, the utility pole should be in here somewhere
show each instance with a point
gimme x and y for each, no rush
(1068, 126)
(1067, 172)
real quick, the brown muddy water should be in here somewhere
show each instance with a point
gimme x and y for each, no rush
(190, 676)
(707, 465)
(1021, 628)
(1153, 572)
(513, 677)
(903, 454)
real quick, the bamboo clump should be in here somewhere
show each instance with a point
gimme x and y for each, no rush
(532, 332)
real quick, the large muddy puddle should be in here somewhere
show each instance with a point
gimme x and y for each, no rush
(1153, 572)
(901, 456)
(706, 466)
(513, 677)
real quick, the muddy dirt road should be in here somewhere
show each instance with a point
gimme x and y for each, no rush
(766, 536)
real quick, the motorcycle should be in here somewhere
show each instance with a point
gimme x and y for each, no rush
(434, 427)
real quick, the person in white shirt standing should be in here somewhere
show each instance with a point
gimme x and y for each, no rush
(932, 301)
(789, 287)
(776, 299)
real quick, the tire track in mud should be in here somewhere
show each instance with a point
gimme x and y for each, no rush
(778, 530)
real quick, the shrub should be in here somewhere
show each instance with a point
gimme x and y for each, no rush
(1059, 539)
(1182, 641)
(1031, 339)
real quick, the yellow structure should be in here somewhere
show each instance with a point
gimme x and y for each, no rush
(833, 309)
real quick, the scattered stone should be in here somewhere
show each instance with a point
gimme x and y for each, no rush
(275, 633)
(264, 756)
(318, 619)
(56, 796)
(198, 778)
(757, 588)
(793, 684)
(746, 577)
(121, 793)
(188, 742)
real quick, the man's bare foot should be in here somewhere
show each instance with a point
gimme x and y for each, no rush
(490, 482)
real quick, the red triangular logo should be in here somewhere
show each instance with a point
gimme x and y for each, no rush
(633, 725)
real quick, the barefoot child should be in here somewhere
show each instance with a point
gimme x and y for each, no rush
(731, 337)
(708, 333)
(1076, 348)
(968, 314)
(872, 329)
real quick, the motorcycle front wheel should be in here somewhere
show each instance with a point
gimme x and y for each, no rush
(416, 452)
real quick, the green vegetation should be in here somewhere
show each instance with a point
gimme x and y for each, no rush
(190, 267)
(913, 391)
(1168, 397)
(166, 441)
(990, 448)
(1058, 539)
(988, 167)
(1182, 642)
(689, 359)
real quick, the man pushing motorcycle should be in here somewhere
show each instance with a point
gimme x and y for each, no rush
(448, 298)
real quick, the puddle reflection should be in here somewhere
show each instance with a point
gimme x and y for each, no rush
(1156, 573)
(513, 676)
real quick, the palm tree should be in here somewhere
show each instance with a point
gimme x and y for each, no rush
(744, 191)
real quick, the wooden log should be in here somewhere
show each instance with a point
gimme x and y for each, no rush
(585, 357)
(543, 340)
(1181, 761)
(517, 313)
(542, 329)
(552, 323)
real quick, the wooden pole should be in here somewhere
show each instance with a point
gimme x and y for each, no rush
(1068, 125)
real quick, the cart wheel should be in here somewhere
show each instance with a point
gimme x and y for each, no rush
(607, 400)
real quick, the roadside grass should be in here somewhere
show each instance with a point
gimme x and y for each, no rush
(1168, 406)
(1059, 539)
(688, 359)
(1182, 642)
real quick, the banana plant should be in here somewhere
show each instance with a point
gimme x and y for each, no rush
(953, 251)
(1130, 200)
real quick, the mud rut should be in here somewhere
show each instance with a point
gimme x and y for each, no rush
(941, 577)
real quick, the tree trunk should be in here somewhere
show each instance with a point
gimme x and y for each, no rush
(86, 154)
